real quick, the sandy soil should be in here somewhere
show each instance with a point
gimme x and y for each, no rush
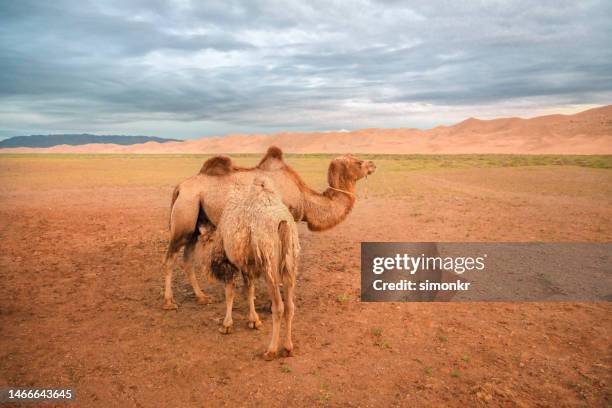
(588, 132)
(80, 299)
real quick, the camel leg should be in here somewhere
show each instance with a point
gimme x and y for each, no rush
(254, 322)
(169, 266)
(288, 288)
(277, 315)
(229, 302)
(183, 220)
(189, 258)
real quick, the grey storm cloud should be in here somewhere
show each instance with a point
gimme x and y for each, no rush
(270, 65)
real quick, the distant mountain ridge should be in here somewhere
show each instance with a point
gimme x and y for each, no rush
(587, 132)
(79, 139)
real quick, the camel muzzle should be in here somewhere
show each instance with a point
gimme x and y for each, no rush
(371, 167)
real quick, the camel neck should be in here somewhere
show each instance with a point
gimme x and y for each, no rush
(326, 210)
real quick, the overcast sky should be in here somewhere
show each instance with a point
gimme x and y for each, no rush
(194, 68)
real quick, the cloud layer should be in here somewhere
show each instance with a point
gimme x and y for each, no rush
(187, 68)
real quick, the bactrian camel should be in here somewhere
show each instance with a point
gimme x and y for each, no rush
(198, 202)
(256, 235)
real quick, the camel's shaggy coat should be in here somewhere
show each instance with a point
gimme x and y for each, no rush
(258, 236)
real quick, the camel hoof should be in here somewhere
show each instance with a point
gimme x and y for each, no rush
(204, 300)
(225, 330)
(169, 305)
(269, 355)
(287, 352)
(255, 325)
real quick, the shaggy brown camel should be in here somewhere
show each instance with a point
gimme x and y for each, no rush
(198, 202)
(257, 236)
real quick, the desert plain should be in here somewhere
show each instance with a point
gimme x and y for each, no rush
(82, 239)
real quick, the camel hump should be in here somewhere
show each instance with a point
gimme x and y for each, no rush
(217, 166)
(273, 160)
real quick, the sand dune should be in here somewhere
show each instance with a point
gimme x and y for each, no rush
(588, 132)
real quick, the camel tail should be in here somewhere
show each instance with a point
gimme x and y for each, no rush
(289, 250)
(175, 195)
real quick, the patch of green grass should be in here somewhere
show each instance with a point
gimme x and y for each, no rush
(324, 392)
(42, 171)
(428, 371)
(430, 161)
(455, 374)
(286, 369)
(466, 358)
(588, 380)
(343, 298)
(377, 331)
(443, 338)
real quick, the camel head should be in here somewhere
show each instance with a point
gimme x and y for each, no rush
(345, 170)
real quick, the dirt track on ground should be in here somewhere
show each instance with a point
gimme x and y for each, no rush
(80, 302)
